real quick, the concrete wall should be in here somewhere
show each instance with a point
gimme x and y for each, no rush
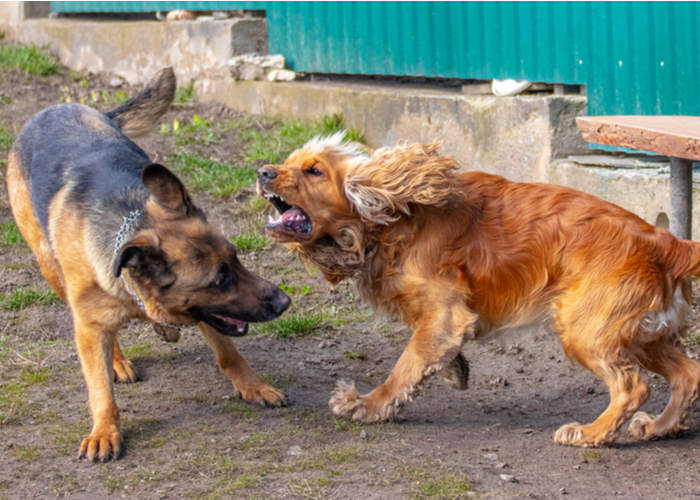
(11, 16)
(136, 50)
(512, 136)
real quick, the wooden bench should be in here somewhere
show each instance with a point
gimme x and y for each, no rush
(675, 136)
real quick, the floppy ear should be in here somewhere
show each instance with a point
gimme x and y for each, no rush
(167, 188)
(393, 179)
(144, 259)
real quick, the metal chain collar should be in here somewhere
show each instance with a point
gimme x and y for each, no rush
(130, 222)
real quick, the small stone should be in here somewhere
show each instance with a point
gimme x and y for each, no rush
(508, 478)
(499, 381)
(528, 431)
(491, 456)
(590, 390)
(577, 467)
(563, 491)
(295, 450)
(363, 434)
(116, 82)
(501, 465)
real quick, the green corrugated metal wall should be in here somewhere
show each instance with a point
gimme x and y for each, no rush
(634, 57)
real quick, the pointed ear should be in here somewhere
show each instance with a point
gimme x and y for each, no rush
(167, 188)
(144, 259)
(394, 178)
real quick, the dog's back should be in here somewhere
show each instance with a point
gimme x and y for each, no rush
(77, 146)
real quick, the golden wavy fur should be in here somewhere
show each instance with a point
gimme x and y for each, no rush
(466, 256)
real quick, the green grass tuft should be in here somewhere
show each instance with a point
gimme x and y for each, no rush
(22, 298)
(185, 93)
(295, 290)
(6, 138)
(10, 235)
(136, 351)
(293, 325)
(35, 60)
(203, 174)
(354, 355)
(447, 487)
(249, 241)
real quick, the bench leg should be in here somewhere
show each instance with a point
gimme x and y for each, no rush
(681, 198)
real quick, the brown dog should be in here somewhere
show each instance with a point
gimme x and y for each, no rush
(462, 257)
(93, 209)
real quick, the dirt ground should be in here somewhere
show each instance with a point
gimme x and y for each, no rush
(187, 435)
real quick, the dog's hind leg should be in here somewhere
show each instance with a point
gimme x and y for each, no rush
(434, 348)
(628, 391)
(683, 375)
(244, 379)
(123, 369)
(24, 217)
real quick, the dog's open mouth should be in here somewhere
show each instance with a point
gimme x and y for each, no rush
(227, 325)
(292, 218)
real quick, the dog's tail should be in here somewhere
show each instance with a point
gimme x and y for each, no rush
(686, 259)
(140, 113)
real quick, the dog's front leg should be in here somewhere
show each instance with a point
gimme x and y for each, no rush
(434, 347)
(96, 350)
(250, 386)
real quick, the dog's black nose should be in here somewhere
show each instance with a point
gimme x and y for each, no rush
(279, 302)
(266, 173)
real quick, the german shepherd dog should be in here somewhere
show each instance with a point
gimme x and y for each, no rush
(94, 209)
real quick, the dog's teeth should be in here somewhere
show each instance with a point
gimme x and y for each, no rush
(270, 220)
(281, 198)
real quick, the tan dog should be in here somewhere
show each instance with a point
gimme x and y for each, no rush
(94, 209)
(467, 256)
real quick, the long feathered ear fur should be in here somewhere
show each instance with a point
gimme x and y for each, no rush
(394, 178)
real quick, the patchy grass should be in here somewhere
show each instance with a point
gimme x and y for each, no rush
(25, 453)
(22, 298)
(293, 325)
(590, 456)
(354, 355)
(295, 290)
(185, 93)
(238, 408)
(10, 235)
(34, 60)
(4, 100)
(445, 487)
(35, 377)
(6, 136)
(219, 179)
(250, 241)
(136, 351)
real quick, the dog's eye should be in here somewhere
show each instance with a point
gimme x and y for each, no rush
(313, 171)
(223, 279)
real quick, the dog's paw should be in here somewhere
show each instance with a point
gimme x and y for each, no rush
(167, 333)
(645, 427)
(102, 445)
(346, 402)
(456, 373)
(263, 394)
(569, 434)
(639, 425)
(124, 371)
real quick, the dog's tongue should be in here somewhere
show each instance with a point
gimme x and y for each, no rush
(293, 214)
(237, 323)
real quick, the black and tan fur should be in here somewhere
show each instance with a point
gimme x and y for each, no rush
(73, 176)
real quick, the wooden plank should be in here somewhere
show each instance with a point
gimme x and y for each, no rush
(677, 136)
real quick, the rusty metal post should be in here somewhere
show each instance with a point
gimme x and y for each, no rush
(681, 198)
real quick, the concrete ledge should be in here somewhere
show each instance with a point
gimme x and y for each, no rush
(136, 50)
(516, 137)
